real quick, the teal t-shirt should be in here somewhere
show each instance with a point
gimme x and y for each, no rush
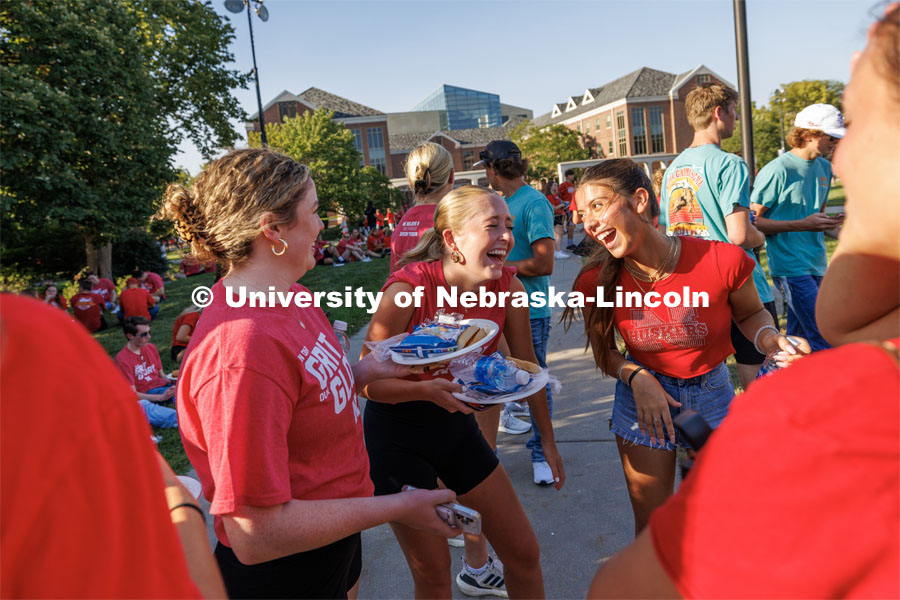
(792, 189)
(532, 221)
(701, 187)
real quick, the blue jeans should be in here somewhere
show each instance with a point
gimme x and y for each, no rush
(709, 395)
(158, 415)
(540, 334)
(800, 295)
(153, 312)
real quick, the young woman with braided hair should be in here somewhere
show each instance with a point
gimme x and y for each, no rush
(267, 400)
(676, 356)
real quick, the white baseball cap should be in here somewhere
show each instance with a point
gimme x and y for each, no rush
(823, 117)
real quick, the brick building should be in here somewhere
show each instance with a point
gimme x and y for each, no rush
(640, 114)
(369, 126)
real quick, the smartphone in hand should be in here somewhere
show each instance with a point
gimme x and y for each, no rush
(457, 515)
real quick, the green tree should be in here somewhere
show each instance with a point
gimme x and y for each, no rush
(546, 147)
(95, 100)
(326, 146)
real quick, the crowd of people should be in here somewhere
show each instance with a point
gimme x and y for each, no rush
(294, 470)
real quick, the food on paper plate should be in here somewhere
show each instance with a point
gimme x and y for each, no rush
(428, 340)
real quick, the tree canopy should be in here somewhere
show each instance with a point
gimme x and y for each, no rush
(326, 146)
(96, 96)
(546, 147)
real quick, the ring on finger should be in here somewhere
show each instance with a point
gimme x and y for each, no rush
(656, 419)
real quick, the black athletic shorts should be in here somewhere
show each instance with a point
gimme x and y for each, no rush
(559, 219)
(744, 352)
(415, 443)
(174, 353)
(326, 572)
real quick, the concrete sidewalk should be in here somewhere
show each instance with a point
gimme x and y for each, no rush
(577, 527)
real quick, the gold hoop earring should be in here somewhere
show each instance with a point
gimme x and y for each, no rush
(455, 256)
(283, 250)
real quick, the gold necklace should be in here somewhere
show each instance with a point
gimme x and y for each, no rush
(663, 267)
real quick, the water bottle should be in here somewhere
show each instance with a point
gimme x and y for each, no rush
(340, 330)
(770, 365)
(494, 371)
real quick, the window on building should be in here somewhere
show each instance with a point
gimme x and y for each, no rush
(375, 139)
(587, 126)
(610, 148)
(597, 124)
(468, 160)
(704, 78)
(638, 130)
(657, 138)
(287, 110)
(621, 134)
(609, 121)
(357, 143)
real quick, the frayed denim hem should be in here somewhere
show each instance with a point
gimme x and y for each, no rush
(634, 438)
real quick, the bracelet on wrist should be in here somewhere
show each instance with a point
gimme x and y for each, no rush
(619, 373)
(756, 337)
(190, 505)
(633, 373)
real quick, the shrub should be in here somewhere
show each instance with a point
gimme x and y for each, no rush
(136, 249)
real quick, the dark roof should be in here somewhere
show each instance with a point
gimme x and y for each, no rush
(342, 107)
(477, 136)
(638, 84)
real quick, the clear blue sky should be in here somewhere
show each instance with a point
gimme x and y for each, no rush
(391, 55)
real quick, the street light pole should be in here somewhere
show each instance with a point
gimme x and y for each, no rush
(780, 92)
(262, 122)
(237, 6)
(743, 64)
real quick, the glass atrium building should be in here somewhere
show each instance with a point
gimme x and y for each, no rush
(463, 109)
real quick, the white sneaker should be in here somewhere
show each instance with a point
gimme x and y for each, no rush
(542, 473)
(512, 425)
(487, 583)
(560, 255)
(518, 408)
(366, 259)
(456, 542)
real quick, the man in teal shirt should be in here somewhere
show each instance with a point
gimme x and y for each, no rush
(791, 191)
(706, 194)
(532, 255)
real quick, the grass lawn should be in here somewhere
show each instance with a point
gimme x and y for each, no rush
(836, 197)
(370, 276)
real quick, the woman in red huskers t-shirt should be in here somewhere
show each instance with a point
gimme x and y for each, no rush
(429, 171)
(676, 352)
(266, 398)
(417, 432)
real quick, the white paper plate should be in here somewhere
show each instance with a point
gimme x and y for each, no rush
(537, 382)
(192, 485)
(492, 330)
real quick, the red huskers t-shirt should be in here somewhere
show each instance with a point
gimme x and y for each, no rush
(105, 289)
(84, 511)
(136, 302)
(797, 494)
(144, 370)
(414, 223)
(267, 409)
(681, 341)
(153, 282)
(430, 276)
(567, 195)
(88, 308)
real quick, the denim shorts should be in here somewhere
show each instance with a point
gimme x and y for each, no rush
(709, 395)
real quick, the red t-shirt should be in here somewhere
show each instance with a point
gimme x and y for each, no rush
(144, 370)
(567, 195)
(797, 494)
(185, 319)
(153, 283)
(59, 301)
(88, 308)
(189, 266)
(379, 219)
(682, 342)
(267, 409)
(84, 512)
(105, 289)
(136, 302)
(414, 223)
(373, 240)
(391, 217)
(430, 276)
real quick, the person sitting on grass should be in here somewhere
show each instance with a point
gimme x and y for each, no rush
(182, 331)
(135, 301)
(88, 307)
(104, 288)
(140, 364)
(327, 253)
(153, 283)
(359, 241)
(51, 296)
(376, 241)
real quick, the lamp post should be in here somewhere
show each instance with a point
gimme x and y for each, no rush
(780, 93)
(262, 12)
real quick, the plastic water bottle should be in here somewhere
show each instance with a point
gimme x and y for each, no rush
(493, 371)
(770, 365)
(340, 330)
